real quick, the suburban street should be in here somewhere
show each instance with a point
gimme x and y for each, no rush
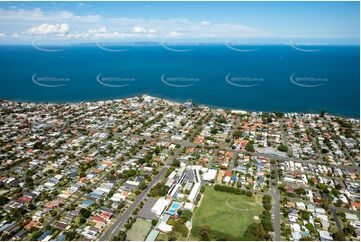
(123, 218)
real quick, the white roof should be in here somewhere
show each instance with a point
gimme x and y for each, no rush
(227, 179)
(49, 184)
(188, 206)
(194, 192)
(103, 189)
(296, 227)
(325, 234)
(58, 176)
(210, 175)
(350, 216)
(159, 206)
(164, 227)
(117, 197)
(134, 183)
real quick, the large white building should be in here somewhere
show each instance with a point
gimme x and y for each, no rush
(210, 175)
(193, 195)
(159, 206)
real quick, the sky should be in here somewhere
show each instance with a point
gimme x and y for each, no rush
(180, 22)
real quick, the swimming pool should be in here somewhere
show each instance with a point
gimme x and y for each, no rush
(173, 208)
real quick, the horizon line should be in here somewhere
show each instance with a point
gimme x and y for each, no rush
(180, 43)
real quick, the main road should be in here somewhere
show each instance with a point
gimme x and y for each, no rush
(276, 207)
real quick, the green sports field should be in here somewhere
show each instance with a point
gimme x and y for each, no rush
(227, 214)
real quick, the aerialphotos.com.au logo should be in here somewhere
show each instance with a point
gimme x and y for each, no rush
(241, 81)
(179, 81)
(47, 81)
(176, 47)
(49, 47)
(240, 47)
(307, 47)
(114, 81)
(307, 81)
(113, 47)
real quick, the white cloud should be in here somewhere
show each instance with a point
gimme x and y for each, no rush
(140, 29)
(174, 34)
(15, 35)
(36, 15)
(100, 34)
(97, 31)
(49, 29)
(152, 31)
(83, 27)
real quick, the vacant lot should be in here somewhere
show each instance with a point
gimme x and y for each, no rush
(139, 230)
(227, 214)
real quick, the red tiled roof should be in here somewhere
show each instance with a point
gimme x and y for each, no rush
(228, 173)
(24, 199)
(105, 215)
(98, 219)
(355, 204)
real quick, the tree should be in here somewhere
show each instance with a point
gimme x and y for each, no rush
(267, 198)
(172, 236)
(176, 163)
(306, 216)
(35, 235)
(310, 227)
(339, 236)
(206, 232)
(180, 228)
(85, 213)
(279, 114)
(3, 200)
(186, 215)
(283, 148)
(267, 202)
(142, 185)
(249, 146)
(122, 236)
(249, 193)
(300, 191)
(324, 151)
(164, 190)
(237, 134)
(349, 230)
(307, 238)
(256, 230)
(267, 224)
(154, 222)
(70, 235)
(38, 145)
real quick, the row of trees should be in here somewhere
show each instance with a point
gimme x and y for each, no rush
(233, 190)
(260, 231)
(266, 218)
(159, 190)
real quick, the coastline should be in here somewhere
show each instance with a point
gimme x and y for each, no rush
(179, 102)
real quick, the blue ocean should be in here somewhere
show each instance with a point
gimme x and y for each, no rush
(255, 78)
